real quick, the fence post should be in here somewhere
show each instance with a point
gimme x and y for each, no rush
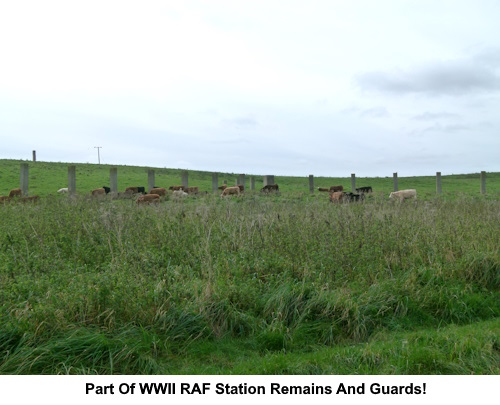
(113, 180)
(252, 183)
(241, 180)
(151, 180)
(311, 184)
(72, 179)
(353, 182)
(34, 156)
(24, 179)
(483, 182)
(268, 180)
(184, 179)
(438, 182)
(395, 179)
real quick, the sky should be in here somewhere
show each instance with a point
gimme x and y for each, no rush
(322, 87)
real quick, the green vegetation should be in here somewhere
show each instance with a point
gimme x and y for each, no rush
(287, 283)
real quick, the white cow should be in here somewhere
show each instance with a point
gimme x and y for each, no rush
(63, 190)
(179, 193)
(403, 194)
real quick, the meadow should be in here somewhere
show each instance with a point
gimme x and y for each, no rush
(278, 284)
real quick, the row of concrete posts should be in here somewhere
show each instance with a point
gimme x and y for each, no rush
(268, 180)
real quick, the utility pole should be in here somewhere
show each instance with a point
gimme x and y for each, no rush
(98, 155)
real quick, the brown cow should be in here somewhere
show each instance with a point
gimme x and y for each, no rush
(148, 199)
(17, 192)
(160, 191)
(31, 198)
(323, 189)
(98, 192)
(270, 187)
(174, 188)
(223, 187)
(336, 196)
(4, 198)
(192, 190)
(336, 188)
(230, 191)
(132, 190)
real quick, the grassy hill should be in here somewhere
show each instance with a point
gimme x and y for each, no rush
(47, 177)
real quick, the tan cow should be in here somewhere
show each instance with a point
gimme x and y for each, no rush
(160, 191)
(230, 191)
(403, 194)
(148, 199)
(98, 192)
(336, 196)
(16, 192)
(223, 187)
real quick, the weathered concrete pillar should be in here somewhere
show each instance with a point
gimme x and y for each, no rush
(184, 179)
(438, 182)
(395, 180)
(215, 182)
(24, 179)
(353, 182)
(151, 179)
(113, 180)
(72, 179)
(241, 180)
(483, 182)
(252, 183)
(268, 180)
(34, 156)
(311, 183)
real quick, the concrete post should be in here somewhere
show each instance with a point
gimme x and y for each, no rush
(395, 180)
(241, 180)
(151, 180)
(34, 156)
(72, 179)
(184, 179)
(268, 180)
(113, 180)
(353, 183)
(24, 180)
(311, 183)
(483, 182)
(215, 182)
(438, 182)
(252, 183)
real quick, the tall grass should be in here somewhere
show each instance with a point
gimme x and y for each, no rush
(105, 286)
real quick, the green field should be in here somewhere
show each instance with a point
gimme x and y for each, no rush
(278, 284)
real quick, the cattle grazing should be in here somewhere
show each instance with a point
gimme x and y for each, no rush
(270, 187)
(403, 194)
(323, 189)
(98, 192)
(17, 192)
(4, 198)
(192, 190)
(132, 190)
(223, 187)
(336, 188)
(148, 199)
(106, 189)
(367, 189)
(179, 193)
(336, 196)
(31, 198)
(351, 197)
(63, 190)
(230, 191)
(158, 191)
(241, 187)
(174, 188)
(141, 190)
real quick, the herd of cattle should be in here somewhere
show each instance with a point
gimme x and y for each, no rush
(336, 193)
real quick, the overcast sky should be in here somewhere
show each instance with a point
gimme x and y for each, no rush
(289, 87)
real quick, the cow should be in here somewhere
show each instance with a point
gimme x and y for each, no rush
(350, 197)
(174, 188)
(16, 192)
(148, 199)
(31, 198)
(323, 189)
(106, 189)
(270, 187)
(63, 190)
(403, 194)
(336, 188)
(132, 190)
(230, 191)
(223, 187)
(179, 193)
(98, 192)
(158, 191)
(4, 198)
(192, 190)
(336, 196)
(141, 190)
(367, 189)
(241, 187)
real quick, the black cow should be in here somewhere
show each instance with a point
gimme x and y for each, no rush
(106, 189)
(367, 189)
(269, 188)
(351, 197)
